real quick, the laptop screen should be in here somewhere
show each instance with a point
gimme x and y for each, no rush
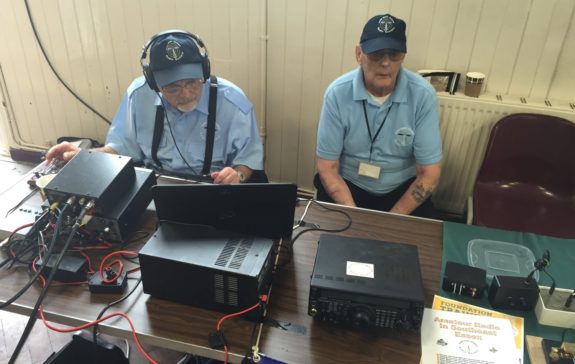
(265, 209)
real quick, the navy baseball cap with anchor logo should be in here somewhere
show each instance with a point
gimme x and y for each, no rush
(175, 57)
(383, 32)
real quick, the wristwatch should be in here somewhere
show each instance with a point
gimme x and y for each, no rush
(241, 175)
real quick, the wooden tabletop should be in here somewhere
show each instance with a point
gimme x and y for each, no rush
(323, 343)
(185, 328)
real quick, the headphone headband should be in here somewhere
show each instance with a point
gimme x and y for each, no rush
(146, 69)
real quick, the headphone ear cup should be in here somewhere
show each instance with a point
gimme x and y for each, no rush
(149, 76)
(207, 68)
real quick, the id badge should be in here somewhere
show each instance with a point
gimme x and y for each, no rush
(369, 170)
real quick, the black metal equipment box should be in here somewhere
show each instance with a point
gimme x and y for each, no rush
(205, 267)
(117, 221)
(94, 176)
(369, 284)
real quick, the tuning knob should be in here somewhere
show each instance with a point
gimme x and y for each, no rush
(361, 317)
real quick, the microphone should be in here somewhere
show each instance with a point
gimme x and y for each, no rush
(540, 265)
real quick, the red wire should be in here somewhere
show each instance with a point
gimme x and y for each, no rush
(93, 322)
(120, 264)
(90, 270)
(55, 284)
(14, 233)
(94, 247)
(263, 298)
(81, 327)
(133, 270)
(236, 314)
(108, 267)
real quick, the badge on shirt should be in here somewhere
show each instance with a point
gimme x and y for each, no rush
(369, 170)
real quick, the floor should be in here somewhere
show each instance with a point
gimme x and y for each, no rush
(42, 341)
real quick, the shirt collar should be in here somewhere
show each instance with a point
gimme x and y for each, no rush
(399, 94)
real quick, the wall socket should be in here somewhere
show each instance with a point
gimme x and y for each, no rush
(550, 309)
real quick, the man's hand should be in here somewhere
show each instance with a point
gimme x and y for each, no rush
(63, 151)
(229, 175)
(66, 151)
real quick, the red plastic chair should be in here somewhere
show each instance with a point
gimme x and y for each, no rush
(527, 179)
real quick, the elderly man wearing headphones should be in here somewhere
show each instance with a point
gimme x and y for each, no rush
(179, 120)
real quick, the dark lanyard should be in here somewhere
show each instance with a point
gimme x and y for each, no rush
(372, 139)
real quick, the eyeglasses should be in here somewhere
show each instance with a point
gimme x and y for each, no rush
(392, 55)
(177, 87)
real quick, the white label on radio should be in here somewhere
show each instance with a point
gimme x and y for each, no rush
(359, 269)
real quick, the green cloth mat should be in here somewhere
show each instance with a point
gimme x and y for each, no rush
(562, 267)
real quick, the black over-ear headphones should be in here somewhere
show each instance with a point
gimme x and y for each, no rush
(149, 75)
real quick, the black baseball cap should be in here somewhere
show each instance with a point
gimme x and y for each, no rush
(383, 32)
(175, 57)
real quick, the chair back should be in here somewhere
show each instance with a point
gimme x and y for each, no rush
(527, 179)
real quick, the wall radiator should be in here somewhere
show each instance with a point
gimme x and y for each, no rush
(465, 126)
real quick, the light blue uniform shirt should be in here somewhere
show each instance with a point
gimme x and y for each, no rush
(409, 136)
(236, 141)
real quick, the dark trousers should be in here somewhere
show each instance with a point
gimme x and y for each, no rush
(385, 202)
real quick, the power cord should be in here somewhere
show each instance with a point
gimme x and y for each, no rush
(32, 319)
(108, 306)
(314, 227)
(569, 300)
(54, 69)
(55, 236)
(217, 340)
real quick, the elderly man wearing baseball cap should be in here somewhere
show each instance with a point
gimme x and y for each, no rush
(178, 120)
(378, 140)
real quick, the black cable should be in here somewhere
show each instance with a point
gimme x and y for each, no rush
(26, 198)
(95, 334)
(553, 284)
(54, 70)
(21, 250)
(23, 245)
(569, 300)
(48, 253)
(17, 256)
(32, 319)
(135, 237)
(315, 228)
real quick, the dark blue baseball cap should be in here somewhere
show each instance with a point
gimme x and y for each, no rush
(175, 57)
(383, 32)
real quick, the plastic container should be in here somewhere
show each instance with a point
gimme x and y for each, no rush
(551, 311)
(501, 258)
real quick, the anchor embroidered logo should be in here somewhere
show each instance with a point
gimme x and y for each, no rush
(174, 51)
(404, 136)
(386, 24)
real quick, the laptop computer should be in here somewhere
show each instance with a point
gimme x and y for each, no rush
(265, 209)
